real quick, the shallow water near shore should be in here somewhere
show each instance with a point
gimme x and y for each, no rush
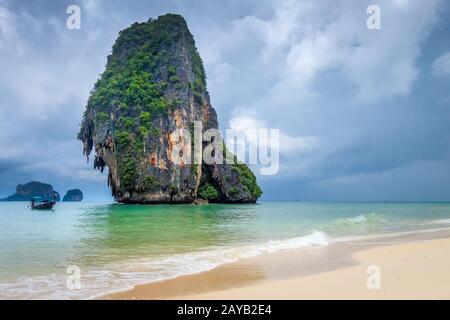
(119, 246)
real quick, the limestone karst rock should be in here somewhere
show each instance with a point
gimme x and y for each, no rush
(24, 192)
(75, 195)
(155, 84)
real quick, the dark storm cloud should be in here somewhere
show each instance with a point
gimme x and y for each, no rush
(356, 121)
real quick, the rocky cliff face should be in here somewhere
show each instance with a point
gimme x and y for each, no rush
(74, 195)
(24, 192)
(154, 84)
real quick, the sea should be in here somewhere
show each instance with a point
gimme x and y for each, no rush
(84, 250)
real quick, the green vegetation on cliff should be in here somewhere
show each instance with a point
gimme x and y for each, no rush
(248, 179)
(208, 193)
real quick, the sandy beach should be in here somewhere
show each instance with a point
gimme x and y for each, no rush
(412, 267)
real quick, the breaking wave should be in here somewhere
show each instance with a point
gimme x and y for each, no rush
(126, 274)
(439, 222)
(356, 224)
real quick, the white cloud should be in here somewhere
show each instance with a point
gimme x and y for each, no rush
(219, 71)
(441, 66)
(290, 144)
(281, 58)
(93, 7)
(70, 168)
(304, 38)
(40, 80)
(8, 32)
(287, 145)
(380, 64)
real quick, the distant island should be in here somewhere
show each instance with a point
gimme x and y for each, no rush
(75, 195)
(154, 85)
(24, 192)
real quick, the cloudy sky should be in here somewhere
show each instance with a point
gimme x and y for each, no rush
(363, 114)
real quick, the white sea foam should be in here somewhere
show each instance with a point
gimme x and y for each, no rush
(365, 219)
(386, 236)
(439, 221)
(355, 224)
(126, 274)
(358, 219)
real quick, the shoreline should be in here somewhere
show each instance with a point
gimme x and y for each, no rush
(318, 272)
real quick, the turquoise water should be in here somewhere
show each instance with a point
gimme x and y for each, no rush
(117, 246)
